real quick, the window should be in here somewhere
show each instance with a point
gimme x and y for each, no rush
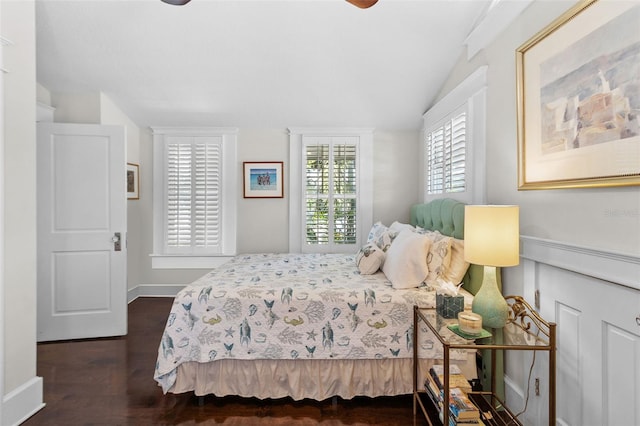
(454, 143)
(330, 195)
(331, 189)
(446, 155)
(194, 196)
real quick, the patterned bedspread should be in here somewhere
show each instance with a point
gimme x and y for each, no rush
(288, 306)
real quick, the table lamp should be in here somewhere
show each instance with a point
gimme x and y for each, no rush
(491, 239)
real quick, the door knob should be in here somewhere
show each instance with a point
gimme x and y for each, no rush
(116, 240)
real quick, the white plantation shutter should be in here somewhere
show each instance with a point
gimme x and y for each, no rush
(445, 152)
(207, 200)
(317, 194)
(330, 192)
(456, 172)
(178, 195)
(193, 195)
(344, 192)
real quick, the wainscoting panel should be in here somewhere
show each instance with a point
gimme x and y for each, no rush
(568, 366)
(594, 298)
(621, 352)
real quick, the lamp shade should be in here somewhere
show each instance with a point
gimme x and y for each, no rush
(492, 235)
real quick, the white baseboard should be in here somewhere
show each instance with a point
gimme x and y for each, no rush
(153, 290)
(23, 402)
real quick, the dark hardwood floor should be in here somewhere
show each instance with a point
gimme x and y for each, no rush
(110, 382)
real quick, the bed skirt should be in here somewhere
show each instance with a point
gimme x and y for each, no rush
(301, 379)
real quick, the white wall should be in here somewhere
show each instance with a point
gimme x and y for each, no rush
(23, 389)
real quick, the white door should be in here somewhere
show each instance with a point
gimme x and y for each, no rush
(82, 279)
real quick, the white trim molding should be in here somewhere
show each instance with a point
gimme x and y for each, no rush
(22, 402)
(498, 17)
(154, 290)
(609, 266)
(165, 261)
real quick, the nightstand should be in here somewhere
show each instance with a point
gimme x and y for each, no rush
(525, 331)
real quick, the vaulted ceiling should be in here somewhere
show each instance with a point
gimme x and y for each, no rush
(256, 64)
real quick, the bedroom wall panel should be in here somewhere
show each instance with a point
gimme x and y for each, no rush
(76, 107)
(263, 224)
(585, 292)
(395, 177)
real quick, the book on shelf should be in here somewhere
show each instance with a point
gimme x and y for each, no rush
(461, 409)
(456, 378)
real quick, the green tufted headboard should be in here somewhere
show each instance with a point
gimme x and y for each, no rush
(447, 217)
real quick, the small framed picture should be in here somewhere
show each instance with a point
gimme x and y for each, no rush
(133, 182)
(263, 180)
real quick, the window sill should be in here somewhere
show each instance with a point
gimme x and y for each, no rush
(164, 261)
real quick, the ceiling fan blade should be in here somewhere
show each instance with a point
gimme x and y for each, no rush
(363, 4)
(177, 2)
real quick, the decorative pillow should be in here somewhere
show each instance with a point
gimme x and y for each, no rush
(377, 229)
(369, 259)
(405, 264)
(458, 266)
(439, 257)
(399, 226)
(382, 236)
(385, 239)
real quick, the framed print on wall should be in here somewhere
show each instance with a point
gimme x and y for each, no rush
(133, 182)
(263, 180)
(578, 99)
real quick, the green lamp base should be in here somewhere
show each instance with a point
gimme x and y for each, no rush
(489, 302)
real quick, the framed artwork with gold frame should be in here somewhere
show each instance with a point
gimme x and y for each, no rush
(578, 99)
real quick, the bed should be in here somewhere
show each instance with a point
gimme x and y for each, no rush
(313, 326)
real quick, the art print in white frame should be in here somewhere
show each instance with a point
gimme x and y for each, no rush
(263, 179)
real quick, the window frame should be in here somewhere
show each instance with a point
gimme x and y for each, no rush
(162, 258)
(470, 96)
(297, 187)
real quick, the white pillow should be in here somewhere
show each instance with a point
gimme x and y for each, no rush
(399, 226)
(405, 264)
(369, 259)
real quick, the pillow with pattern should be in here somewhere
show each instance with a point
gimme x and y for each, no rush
(369, 259)
(382, 236)
(439, 257)
(377, 229)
